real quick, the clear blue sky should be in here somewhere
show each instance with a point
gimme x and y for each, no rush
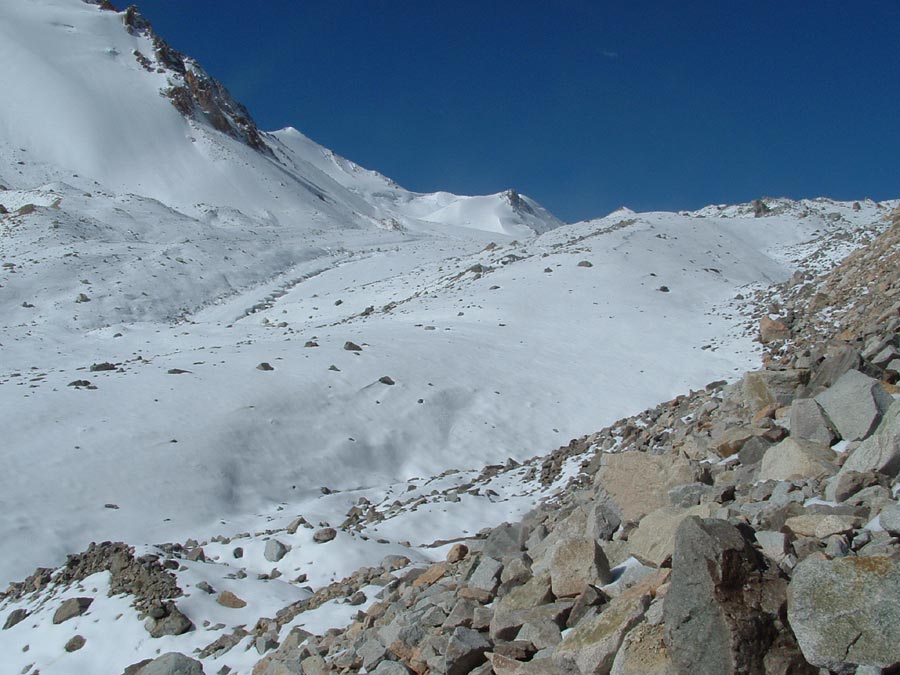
(584, 106)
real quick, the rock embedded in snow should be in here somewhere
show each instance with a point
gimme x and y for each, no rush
(352, 347)
(230, 600)
(71, 608)
(324, 535)
(171, 663)
(169, 620)
(265, 366)
(75, 643)
(275, 550)
(14, 617)
(386, 379)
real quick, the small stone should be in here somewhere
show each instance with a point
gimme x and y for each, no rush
(352, 347)
(386, 380)
(265, 366)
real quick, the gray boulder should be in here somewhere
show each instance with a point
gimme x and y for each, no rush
(465, 651)
(710, 627)
(71, 608)
(391, 668)
(171, 621)
(809, 422)
(880, 452)
(855, 405)
(890, 519)
(325, 535)
(275, 550)
(504, 540)
(486, 576)
(15, 616)
(172, 663)
(847, 610)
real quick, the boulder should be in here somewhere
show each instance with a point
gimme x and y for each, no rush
(848, 482)
(14, 617)
(889, 519)
(808, 422)
(795, 458)
(771, 330)
(324, 535)
(846, 610)
(711, 627)
(230, 600)
(486, 575)
(636, 483)
(504, 540)
(71, 608)
(592, 644)
(838, 360)
(275, 550)
(855, 405)
(821, 525)
(171, 622)
(391, 668)
(730, 441)
(172, 663)
(881, 451)
(465, 650)
(75, 643)
(643, 652)
(763, 388)
(654, 540)
(575, 564)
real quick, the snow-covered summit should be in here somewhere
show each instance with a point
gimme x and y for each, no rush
(94, 97)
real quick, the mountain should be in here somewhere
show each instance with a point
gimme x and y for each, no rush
(220, 338)
(94, 96)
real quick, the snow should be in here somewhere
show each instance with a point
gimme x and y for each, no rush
(202, 258)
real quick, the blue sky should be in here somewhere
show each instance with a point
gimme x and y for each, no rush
(584, 106)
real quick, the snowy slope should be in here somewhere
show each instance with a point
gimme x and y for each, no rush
(495, 351)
